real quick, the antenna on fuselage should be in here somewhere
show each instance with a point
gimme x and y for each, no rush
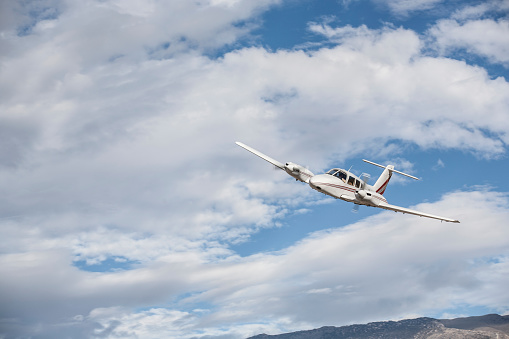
(365, 178)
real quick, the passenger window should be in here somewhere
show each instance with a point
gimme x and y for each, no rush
(357, 183)
(351, 181)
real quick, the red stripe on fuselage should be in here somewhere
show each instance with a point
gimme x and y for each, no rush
(336, 186)
(345, 188)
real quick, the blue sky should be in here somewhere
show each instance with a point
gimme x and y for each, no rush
(128, 211)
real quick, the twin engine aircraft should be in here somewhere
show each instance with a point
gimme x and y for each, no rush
(344, 185)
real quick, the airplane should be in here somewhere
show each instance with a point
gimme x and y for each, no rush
(341, 184)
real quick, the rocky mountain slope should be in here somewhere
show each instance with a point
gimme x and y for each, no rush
(483, 327)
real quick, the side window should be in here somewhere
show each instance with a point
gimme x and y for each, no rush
(357, 183)
(351, 181)
(341, 175)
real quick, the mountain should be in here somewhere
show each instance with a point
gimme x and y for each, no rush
(482, 327)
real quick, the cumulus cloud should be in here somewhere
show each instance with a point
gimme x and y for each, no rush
(347, 275)
(66, 56)
(380, 53)
(475, 30)
(116, 159)
(487, 38)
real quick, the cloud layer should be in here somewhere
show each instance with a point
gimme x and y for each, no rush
(353, 274)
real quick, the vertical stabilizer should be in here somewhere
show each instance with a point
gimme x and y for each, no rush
(382, 182)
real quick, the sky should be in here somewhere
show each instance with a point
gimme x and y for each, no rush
(127, 210)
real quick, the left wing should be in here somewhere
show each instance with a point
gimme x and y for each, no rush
(261, 155)
(414, 212)
(297, 171)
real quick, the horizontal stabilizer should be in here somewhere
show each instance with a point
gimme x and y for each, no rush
(390, 169)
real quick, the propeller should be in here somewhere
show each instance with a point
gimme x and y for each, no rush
(290, 166)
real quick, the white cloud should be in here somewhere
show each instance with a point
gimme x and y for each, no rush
(390, 45)
(482, 9)
(485, 37)
(357, 271)
(129, 153)
(405, 7)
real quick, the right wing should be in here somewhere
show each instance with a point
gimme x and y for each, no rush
(261, 155)
(414, 212)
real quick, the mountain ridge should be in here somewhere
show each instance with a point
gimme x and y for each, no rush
(478, 327)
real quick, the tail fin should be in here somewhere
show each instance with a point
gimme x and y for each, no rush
(382, 182)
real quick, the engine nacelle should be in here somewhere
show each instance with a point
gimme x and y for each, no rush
(366, 197)
(299, 172)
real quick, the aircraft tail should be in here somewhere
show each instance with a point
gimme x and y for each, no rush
(382, 182)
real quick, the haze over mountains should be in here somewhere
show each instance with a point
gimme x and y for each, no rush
(482, 327)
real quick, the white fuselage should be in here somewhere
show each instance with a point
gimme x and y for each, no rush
(344, 185)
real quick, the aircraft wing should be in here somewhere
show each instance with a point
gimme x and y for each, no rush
(414, 212)
(261, 155)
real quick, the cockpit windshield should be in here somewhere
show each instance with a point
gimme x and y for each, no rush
(338, 173)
